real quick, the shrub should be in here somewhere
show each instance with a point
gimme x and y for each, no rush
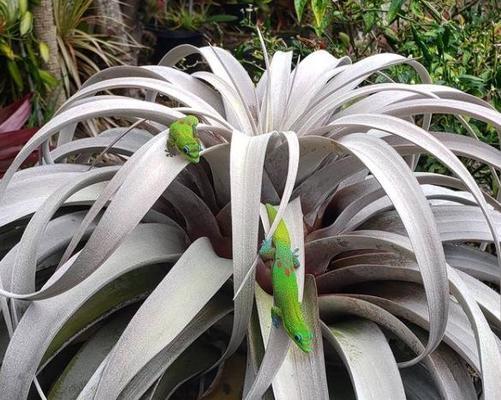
(119, 279)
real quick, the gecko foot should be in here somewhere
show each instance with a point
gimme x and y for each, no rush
(276, 316)
(267, 252)
(295, 258)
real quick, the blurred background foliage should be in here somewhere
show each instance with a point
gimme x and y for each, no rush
(21, 57)
(457, 41)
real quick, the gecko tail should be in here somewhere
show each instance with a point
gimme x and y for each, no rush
(272, 212)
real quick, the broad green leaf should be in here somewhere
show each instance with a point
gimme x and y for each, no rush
(48, 78)
(26, 23)
(395, 7)
(422, 46)
(319, 8)
(299, 6)
(345, 39)
(44, 51)
(23, 6)
(369, 20)
(15, 74)
(6, 50)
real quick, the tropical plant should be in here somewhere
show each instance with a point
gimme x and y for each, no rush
(21, 56)
(188, 15)
(118, 280)
(83, 49)
(321, 12)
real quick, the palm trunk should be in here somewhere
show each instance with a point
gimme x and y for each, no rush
(116, 25)
(45, 31)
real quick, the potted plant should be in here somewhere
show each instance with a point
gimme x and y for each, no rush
(178, 22)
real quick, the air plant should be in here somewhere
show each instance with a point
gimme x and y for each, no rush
(118, 281)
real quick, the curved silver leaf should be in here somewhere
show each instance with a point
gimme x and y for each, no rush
(404, 191)
(368, 358)
(167, 311)
(145, 245)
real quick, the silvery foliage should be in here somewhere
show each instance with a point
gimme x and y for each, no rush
(142, 256)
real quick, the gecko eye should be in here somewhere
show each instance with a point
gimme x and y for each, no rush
(186, 149)
(297, 337)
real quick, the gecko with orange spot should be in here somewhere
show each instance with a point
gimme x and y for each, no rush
(285, 290)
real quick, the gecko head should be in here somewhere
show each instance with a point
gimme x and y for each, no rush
(190, 150)
(191, 120)
(303, 339)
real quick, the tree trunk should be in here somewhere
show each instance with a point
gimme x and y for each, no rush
(130, 9)
(45, 31)
(118, 24)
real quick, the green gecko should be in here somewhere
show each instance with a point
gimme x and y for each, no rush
(183, 138)
(285, 290)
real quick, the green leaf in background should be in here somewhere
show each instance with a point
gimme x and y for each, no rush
(26, 23)
(44, 51)
(6, 50)
(15, 74)
(47, 78)
(415, 8)
(4, 12)
(394, 9)
(319, 8)
(390, 35)
(440, 43)
(299, 6)
(422, 46)
(23, 6)
(345, 39)
(369, 20)
(324, 24)
(9, 10)
(447, 36)
(474, 82)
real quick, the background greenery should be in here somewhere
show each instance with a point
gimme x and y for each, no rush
(458, 42)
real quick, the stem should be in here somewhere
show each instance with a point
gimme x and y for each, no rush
(465, 7)
(438, 17)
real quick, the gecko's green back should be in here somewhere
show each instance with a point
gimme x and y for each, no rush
(281, 233)
(285, 288)
(182, 136)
